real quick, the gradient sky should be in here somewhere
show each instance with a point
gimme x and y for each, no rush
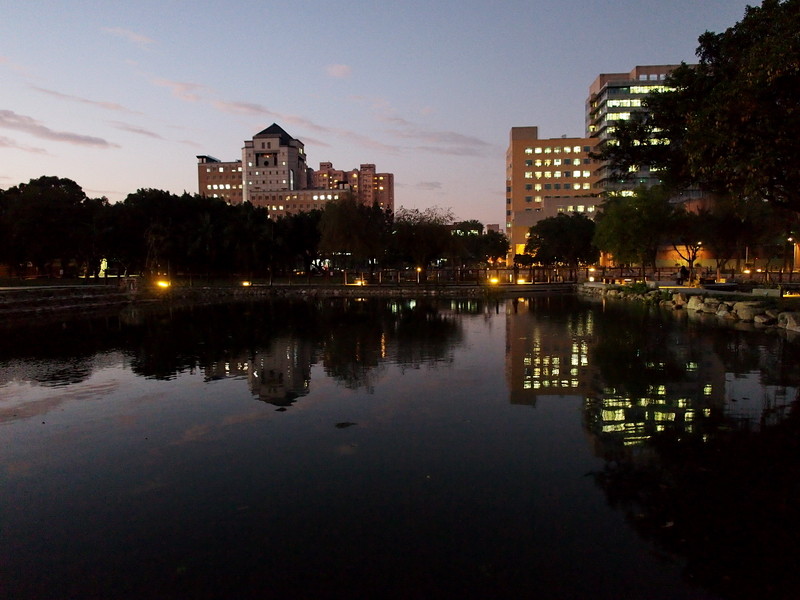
(123, 95)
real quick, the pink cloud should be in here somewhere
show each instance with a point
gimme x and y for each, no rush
(131, 36)
(98, 103)
(339, 71)
(9, 143)
(134, 129)
(182, 89)
(11, 120)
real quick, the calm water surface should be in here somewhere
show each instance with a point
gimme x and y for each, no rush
(538, 448)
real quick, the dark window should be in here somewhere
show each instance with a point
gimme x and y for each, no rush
(547, 186)
(528, 186)
(528, 198)
(567, 173)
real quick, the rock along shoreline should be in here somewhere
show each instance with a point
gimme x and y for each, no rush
(728, 308)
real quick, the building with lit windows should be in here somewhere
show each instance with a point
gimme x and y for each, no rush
(368, 186)
(545, 177)
(220, 179)
(614, 97)
(273, 173)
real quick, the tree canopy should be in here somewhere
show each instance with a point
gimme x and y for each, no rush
(632, 228)
(730, 123)
(563, 239)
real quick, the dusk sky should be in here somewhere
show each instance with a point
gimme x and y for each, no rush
(123, 95)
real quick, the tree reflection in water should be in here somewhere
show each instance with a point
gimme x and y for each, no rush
(274, 344)
(694, 472)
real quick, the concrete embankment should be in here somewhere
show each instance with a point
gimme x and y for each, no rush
(34, 302)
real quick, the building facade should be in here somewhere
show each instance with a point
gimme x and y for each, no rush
(614, 97)
(273, 173)
(545, 177)
(220, 179)
(368, 186)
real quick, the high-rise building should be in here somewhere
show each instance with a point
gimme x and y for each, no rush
(273, 173)
(545, 177)
(614, 97)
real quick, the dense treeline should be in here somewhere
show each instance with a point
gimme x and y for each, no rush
(635, 229)
(50, 226)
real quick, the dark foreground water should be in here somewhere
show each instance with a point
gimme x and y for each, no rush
(538, 448)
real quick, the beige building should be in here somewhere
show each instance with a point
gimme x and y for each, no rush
(545, 177)
(219, 179)
(368, 186)
(273, 173)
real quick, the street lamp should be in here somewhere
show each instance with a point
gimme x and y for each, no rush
(419, 270)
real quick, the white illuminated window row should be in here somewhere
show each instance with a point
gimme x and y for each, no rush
(552, 150)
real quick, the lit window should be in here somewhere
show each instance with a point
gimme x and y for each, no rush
(548, 174)
(557, 162)
(537, 150)
(548, 150)
(221, 170)
(538, 174)
(528, 174)
(537, 162)
(537, 199)
(538, 187)
(557, 174)
(586, 185)
(528, 151)
(576, 149)
(586, 173)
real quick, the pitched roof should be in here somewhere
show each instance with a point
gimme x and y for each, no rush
(273, 131)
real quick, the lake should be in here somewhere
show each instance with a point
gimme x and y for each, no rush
(546, 447)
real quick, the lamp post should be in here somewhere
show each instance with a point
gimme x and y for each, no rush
(419, 270)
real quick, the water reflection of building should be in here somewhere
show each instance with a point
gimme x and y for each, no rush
(692, 395)
(547, 352)
(277, 375)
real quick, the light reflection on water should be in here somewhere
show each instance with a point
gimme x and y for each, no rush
(391, 448)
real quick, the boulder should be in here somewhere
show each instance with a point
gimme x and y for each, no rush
(789, 320)
(695, 303)
(711, 305)
(679, 300)
(763, 320)
(746, 311)
(724, 313)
